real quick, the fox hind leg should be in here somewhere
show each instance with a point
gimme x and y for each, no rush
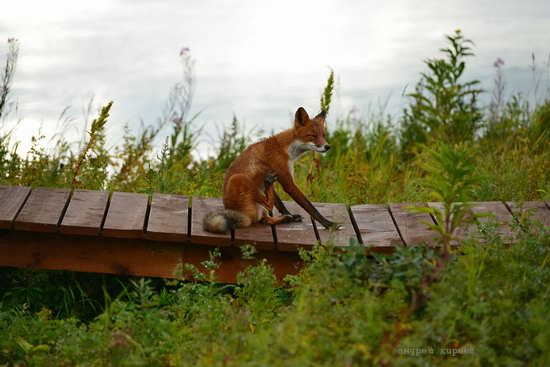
(270, 178)
(242, 195)
(278, 219)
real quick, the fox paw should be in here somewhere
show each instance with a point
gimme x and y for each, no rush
(297, 218)
(288, 218)
(270, 177)
(333, 225)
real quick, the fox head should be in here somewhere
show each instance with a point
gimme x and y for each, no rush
(310, 133)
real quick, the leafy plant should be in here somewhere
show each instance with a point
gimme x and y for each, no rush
(95, 144)
(451, 180)
(8, 73)
(326, 97)
(443, 108)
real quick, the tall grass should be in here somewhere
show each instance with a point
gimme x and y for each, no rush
(371, 161)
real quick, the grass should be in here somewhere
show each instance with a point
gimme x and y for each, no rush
(488, 303)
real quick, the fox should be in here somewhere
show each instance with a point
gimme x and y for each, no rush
(248, 192)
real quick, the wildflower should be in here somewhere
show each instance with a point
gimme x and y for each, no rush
(184, 51)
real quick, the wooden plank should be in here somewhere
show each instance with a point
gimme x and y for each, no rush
(168, 218)
(43, 210)
(376, 227)
(259, 235)
(489, 211)
(85, 213)
(200, 207)
(499, 214)
(337, 213)
(12, 199)
(126, 215)
(412, 226)
(291, 236)
(139, 257)
(536, 211)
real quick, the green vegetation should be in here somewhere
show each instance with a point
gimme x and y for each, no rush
(487, 301)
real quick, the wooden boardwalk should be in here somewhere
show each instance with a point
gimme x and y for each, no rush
(128, 233)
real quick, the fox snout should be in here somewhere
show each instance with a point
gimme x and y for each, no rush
(321, 148)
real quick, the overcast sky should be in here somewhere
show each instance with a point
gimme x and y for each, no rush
(259, 60)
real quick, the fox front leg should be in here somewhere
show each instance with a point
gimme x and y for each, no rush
(283, 210)
(269, 180)
(287, 182)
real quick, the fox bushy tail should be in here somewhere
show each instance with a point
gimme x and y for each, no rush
(221, 221)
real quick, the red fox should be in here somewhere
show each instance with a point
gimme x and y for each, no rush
(248, 193)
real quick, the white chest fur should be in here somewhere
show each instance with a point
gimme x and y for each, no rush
(295, 150)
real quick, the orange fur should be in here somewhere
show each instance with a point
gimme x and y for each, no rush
(245, 187)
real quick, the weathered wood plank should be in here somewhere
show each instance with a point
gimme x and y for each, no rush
(12, 199)
(85, 213)
(168, 218)
(376, 226)
(412, 226)
(43, 210)
(259, 235)
(488, 211)
(291, 236)
(126, 215)
(200, 207)
(537, 211)
(129, 256)
(337, 213)
(499, 214)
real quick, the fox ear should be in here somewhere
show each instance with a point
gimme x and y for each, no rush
(322, 115)
(301, 117)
